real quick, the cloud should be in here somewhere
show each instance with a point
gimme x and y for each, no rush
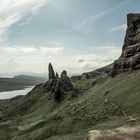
(119, 28)
(16, 59)
(80, 60)
(89, 60)
(13, 11)
(98, 57)
(29, 50)
(98, 16)
(27, 21)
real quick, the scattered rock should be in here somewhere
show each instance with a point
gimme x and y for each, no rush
(85, 76)
(106, 93)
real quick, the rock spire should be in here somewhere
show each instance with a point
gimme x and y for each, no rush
(51, 72)
(58, 85)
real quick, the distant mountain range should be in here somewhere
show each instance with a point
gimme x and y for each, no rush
(19, 82)
(9, 75)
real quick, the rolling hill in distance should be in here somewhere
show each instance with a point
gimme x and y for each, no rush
(19, 82)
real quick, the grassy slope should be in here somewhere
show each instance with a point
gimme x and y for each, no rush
(72, 119)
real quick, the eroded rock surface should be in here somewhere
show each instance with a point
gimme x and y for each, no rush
(58, 85)
(51, 72)
(130, 57)
(66, 82)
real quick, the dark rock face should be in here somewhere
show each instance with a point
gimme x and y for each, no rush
(58, 85)
(58, 93)
(57, 76)
(51, 72)
(65, 82)
(130, 57)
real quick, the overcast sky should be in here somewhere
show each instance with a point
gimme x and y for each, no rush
(76, 35)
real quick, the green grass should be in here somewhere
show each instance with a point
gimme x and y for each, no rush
(72, 119)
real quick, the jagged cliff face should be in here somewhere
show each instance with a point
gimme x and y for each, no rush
(130, 57)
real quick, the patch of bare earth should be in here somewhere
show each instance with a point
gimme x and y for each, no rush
(122, 133)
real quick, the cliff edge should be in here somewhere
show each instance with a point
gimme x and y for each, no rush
(130, 57)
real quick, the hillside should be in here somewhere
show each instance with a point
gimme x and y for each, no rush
(39, 117)
(19, 82)
(101, 104)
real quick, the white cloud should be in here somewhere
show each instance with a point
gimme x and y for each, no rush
(15, 59)
(89, 60)
(27, 21)
(14, 50)
(23, 50)
(119, 28)
(12, 11)
(99, 57)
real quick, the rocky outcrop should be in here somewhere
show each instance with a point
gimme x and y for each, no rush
(51, 72)
(65, 82)
(130, 57)
(58, 85)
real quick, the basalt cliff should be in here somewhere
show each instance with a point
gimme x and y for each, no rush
(130, 57)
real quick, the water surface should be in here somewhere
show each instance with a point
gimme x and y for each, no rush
(10, 94)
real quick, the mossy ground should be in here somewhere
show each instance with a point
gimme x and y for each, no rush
(73, 118)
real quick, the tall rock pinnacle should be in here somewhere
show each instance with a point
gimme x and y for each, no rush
(51, 72)
(130, 57)
(58, 85)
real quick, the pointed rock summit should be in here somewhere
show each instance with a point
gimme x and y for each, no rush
(130, 57)
(51, 72)
(57, 75)
(58, 85)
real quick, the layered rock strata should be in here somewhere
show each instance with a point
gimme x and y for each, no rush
(130, 57)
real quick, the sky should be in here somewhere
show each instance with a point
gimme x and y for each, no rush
(75, 35)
